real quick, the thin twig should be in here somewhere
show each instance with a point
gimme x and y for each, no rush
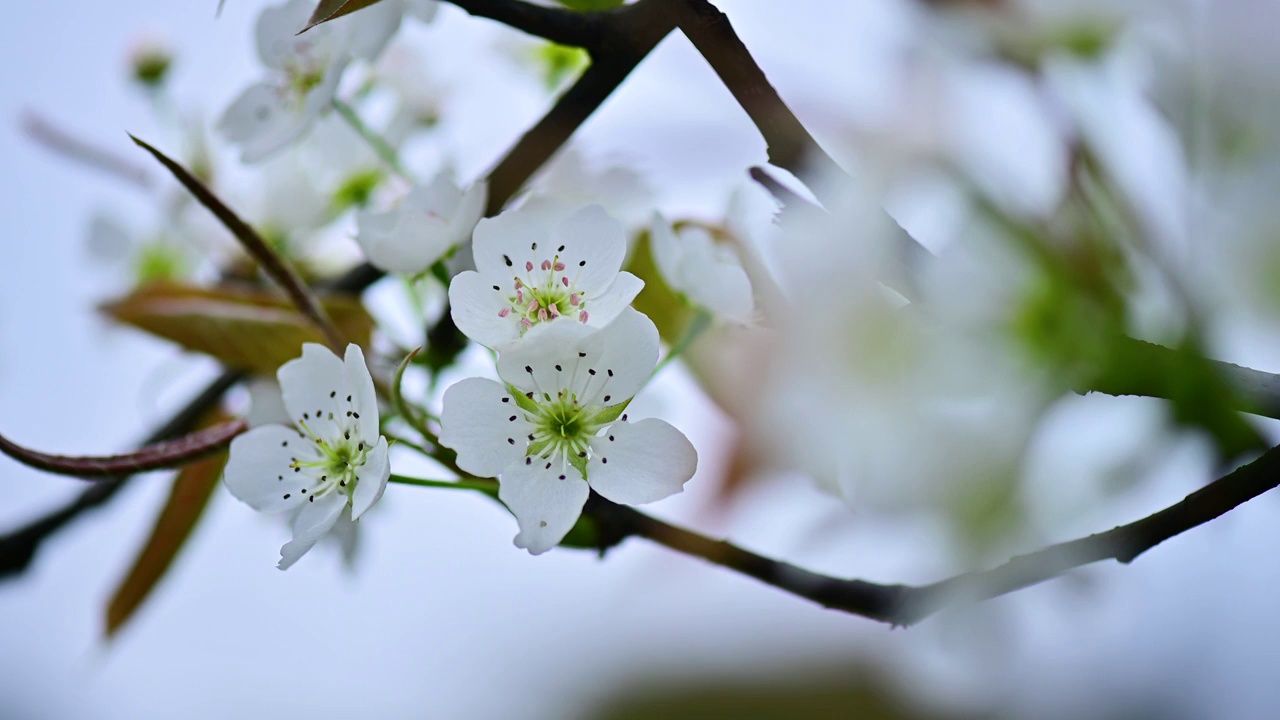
(158, 456)
(559, 25)
(275, 266)
(63, 143)
(376, 142)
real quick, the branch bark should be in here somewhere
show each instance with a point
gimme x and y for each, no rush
(559, 25)
(905, 605)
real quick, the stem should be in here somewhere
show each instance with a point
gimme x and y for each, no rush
(698, 324)
(376, 142)
(488, 487)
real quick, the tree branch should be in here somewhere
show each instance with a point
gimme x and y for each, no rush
(906, 604)
(559, 25)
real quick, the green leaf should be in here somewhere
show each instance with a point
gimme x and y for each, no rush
(246, 329)
(187, 501)
(333, 9)
(590, 5)
(665, 307)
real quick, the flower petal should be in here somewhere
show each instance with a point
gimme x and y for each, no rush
(260, 121)
(276, 34)
(258, 470)
(594, 247)
(371, 479)
(313, 384)
(666, 251)
(475, 305)
(546, 506)
(503, 244)
(608, 304)
(311, 523)
(476, 423)
(713, 277)
(402, 242)
(641, 462)
(628, 352)
(364, 399)
(551, 357)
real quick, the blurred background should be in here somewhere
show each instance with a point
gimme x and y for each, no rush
(439, 616)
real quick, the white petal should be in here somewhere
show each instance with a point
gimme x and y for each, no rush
(276, 33)
(371, 479)
(258, 470)
(364, 399)
(641, 462)
(469, 210)
(476, 423)
(411, 243)
(261, 121)
(313, 384)
(438, 197)
(594, 247)
(266, 403)
(552, 356)
(666, 250)
(503, 244)
(423, 10)
(628, 352)
(312, 522)
(371, 29)
(713, 278)
(608, 304)
(475, 305)
(546, 506)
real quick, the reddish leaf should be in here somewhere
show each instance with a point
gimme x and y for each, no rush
(246, 329)
(333, 9)
(187, 500)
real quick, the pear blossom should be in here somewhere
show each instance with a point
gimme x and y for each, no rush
(556, 427)
(371, 28)
(431, 220)
(330, 458)
(305, 69)
(531, 269)
(707, 272)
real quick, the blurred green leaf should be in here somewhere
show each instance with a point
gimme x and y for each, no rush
(246, 329)
(187, 501)
(557, 63)
(668, 311)
(591, 5)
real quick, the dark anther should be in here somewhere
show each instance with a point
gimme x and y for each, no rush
(511, 419)
(560, 249)
(561, 477)
(528, 369)
(610, 438)
(287, 496)
(495, 287)
(591, 371)
(582, 354)
(312, 498)
(511, 441)
(284, 443)
(606, 398)
(559, 369)
(507, 260)
(624, 417)
(528, 461)
(360, 447)
(529, 394)
(348, 398)
(610, 373)
(582, 263)
(306, 416)
(506, 399)
(582, 454)
(548, 467)
(333, 394)
(355, 415)
(604, 461)
(530, 437)
(346, 435)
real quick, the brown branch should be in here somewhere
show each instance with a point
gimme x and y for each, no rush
(157, 456)
(275, 266)
(63, 143)
(559, 25)
(906, 604)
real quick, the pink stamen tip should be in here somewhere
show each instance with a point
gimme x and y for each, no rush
(582, 316)
(525, 322)
(533, 305)
(519, 284)
(565, 280)
(520, 296)
(559, 266)
(504, 312)
(542, 315)
(573, 299)
(554, 310)
(546, 264)
(528, 266)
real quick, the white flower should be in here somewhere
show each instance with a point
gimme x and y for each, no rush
(306, 69)
(370, 29)
(430, 221)
(331, 458)
(708, 273)
(558, 425)
(530, 271)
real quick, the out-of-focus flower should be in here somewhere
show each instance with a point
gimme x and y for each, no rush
(418, 94)
(305, 68)
(530, 271)
(331, 457)
(149, 62)
(370, 29)
(707, 272)
(431, 220)
(570, 180)
(558, 425)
